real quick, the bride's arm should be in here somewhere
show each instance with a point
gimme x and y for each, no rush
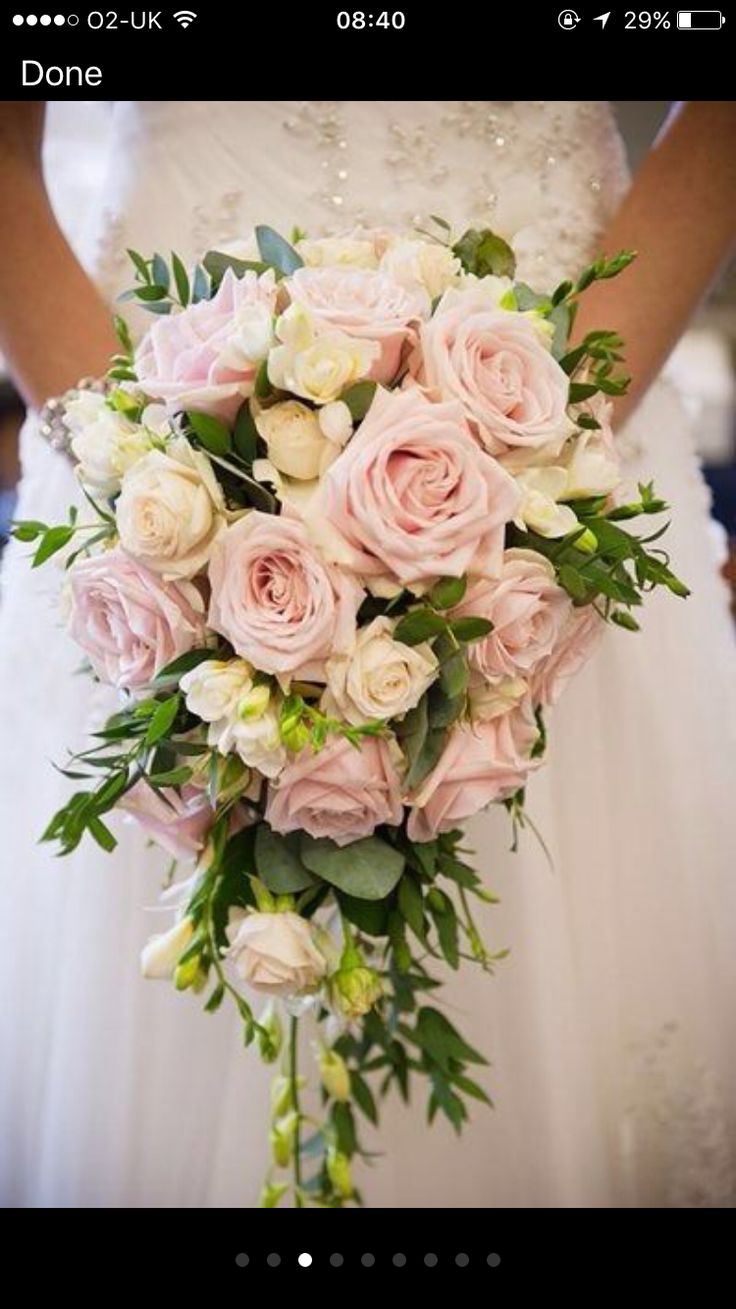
(54, 325)
(680, 215)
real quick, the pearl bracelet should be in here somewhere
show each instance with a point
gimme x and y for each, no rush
(52, 423)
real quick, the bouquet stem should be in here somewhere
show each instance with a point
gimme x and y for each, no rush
(294, 1085)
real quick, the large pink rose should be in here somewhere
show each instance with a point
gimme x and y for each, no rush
(177, 822)
(499, 366)
(276, 600)
(365, 303)
(129, 621)
(481, 763)
(342, 792)
(528, 611)
(207, 357)
(414, 497)
(576, 643)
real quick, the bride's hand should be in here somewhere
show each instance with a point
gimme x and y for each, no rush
(54, 325)
(679, 216)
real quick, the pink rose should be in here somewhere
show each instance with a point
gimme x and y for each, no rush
(528, 611)
(363, 303)
(129, 621)
(498, 365)
(207, 357)
(576, 642)
(342, 792)
(276, 600)
(414, 497)
(481, 763)
(179, 822)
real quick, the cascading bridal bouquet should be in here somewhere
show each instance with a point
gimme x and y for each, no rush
(354, 521)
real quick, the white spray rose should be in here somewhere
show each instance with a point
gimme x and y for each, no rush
(215, 687)
(170, 510)
(539, 510)
(297, 445)
(317, 366)
(345, 251)
(422, 265)
(275, 953)
(380, 677)
(162, 952)
(104, 442)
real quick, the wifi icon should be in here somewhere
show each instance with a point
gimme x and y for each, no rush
(185, 17)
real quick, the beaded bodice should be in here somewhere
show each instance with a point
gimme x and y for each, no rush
(545, 174)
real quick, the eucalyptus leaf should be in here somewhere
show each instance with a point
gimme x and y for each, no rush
(216, 263)
(181, 278)
(276, 251)
(160, 272)
(367, 869)
(369, 916)
(278, 863)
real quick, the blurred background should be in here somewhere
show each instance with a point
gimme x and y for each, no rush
(703, 364)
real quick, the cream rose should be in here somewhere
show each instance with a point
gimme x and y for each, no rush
(493, 698)
(171, 510)
(499, 366)
(341, 251)
(317, 365)
(297, 444)
(275, 953)
(104, 442)
(380, 677)
(364, 304)
(422, 266)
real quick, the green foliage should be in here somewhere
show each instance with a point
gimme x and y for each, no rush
(359, 398)
(484, 253)
(276, 252)
(278, 862)
(366, 870)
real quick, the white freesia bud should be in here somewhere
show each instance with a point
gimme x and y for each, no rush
(104, 442)
(215, 688)
(297, 444)
(334, 1074)
(422, 265)
(170, 510)
(275, 953)
(163, 951)
(380, 677)
(336, 422)
(253, 732)
(539, 510)
(317, 366)
(345, 251)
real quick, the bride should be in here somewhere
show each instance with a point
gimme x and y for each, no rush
(610, 1026)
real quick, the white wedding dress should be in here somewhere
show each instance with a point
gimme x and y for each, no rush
(611, 1025)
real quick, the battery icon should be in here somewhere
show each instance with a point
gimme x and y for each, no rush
(700, 20)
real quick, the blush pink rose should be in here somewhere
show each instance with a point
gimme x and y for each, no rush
(481, 763)
(499, 366)
(177, 822)
(364, 303)
(276, 600)
(577, 642)
(207, 357)
(342, 792)
(528, 611)
(129, 621)
(413, 496)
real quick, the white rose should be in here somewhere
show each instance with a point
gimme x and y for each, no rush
(540, 489)
(317, 366)
(250, 727)
(162, 952)
(215, 687)
(591, 467)
(490, 699)
(346, 251)
(170, 510)
(297, 445)
(422, 265)
(104, 442)
(249, 339)
(275, 953)
(381, 677)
